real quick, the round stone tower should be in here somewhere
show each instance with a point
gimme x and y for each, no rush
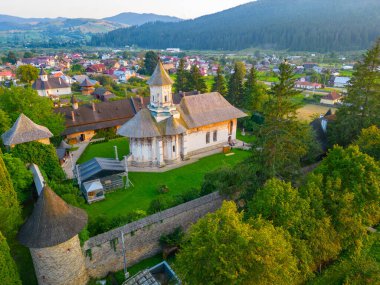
(51, 233)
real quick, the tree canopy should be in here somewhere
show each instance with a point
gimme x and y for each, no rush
(222, 249)
(8, 270)
(27, 73)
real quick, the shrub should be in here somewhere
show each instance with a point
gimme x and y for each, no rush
(162, 189)
(173, 239)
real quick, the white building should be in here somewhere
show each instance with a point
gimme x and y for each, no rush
(341, 81)
(51, 86)
(173, 129)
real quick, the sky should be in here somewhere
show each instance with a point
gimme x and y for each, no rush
(186, 9)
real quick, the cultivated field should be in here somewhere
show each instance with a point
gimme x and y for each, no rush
(310, 111)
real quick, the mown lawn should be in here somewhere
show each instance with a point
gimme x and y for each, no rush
(146, 184)
(248, 138)
(105, 149)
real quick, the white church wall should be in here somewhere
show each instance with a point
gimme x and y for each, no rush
(196, 138)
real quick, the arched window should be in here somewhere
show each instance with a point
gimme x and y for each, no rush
(230, 127)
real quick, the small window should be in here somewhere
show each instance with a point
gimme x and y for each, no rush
(166, 98)
(153, 98)
(173, 148)
(215, 136)
(207, 137)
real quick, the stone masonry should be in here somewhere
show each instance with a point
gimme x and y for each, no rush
(62, 264)
(104, 252)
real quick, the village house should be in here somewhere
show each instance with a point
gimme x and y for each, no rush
(341, 81)
(25, 130)
(308, 85)
(6, 75)
(331, 99)
(96, 68)
(45, 61)
(47, 86)
(103, 94)
(173, 128)
(87, 87)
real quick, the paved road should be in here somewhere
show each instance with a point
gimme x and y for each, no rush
(70, 163)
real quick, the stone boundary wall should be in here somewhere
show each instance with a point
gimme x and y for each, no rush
(104, 252)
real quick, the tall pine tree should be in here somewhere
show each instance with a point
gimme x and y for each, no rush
(10, 211)
(282, 140)
(255, 93)
(361, 106)
(181, 79)
(235, 85)
(220, 84)
(196, 81)
(150, 62)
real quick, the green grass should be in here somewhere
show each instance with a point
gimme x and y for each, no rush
(248, 138)
(105, 149)
(145, 187)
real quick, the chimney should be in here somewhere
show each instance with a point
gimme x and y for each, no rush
(73, 116)
(93, 107)
(60, 83)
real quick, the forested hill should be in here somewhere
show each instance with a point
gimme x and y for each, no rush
(298, 25)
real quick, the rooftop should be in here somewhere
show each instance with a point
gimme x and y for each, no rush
(52, 222)
(25, 130)
(160, 76)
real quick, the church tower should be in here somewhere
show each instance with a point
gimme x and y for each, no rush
(43, 75)
(51, 234)
(161, 98)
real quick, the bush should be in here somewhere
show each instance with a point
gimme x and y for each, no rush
(173, 239)
(41, 154)
(162, 189)
(104, 223)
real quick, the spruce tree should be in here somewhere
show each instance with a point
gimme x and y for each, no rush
(196, 81)
(235, 85)
(282, 140)
(8, 270)
(361, 106)
(10, 211)
(181, 79)
(150, 62)
(220, 84)
(255, 93)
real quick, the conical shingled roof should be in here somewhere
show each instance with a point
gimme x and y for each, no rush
(52, 222)
(142, 125)
(87, 83)
(25, 130)
(160, 76)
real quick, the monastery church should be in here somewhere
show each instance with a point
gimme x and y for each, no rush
(176, 127)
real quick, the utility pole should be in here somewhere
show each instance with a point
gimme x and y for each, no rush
(116, 154)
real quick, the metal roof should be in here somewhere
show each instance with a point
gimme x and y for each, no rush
(94, 168)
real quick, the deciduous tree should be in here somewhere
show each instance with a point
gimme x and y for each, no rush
(27, 73)
(222, 249)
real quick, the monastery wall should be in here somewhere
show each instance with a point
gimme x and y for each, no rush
(104, 252)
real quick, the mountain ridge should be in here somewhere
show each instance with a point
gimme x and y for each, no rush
(296, 25)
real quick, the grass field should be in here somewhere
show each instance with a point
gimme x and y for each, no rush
(248, 138)
(310, 111)
(105, 149)
(145, 187)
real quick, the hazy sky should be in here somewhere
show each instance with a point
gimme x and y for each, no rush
(105, 8)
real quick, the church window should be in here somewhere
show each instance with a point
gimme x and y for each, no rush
(166, 98)
(215, 136)
(208, 137)
(173, 148)
(230, 127)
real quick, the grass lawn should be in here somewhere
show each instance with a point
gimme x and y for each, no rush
(145, 187)
(248, 138)
(105, 149)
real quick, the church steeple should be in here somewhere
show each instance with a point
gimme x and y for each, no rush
(160, 85)
(43, 75)
(161, 100)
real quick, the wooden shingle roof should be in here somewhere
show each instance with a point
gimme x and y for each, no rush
(208, 108)
(25, 130)
(160, 76)
(52, 222)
